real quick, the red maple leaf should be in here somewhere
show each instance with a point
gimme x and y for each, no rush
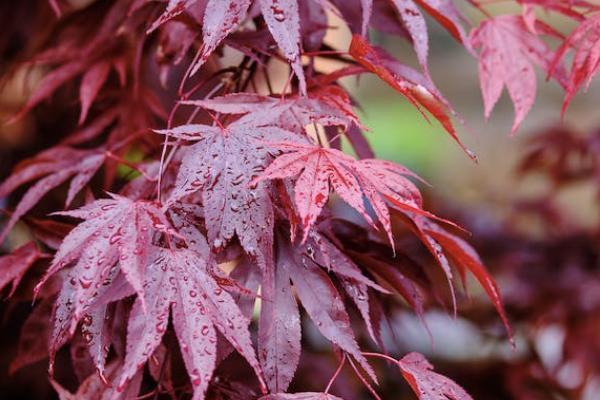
(585, 39)
(319, 169)
(223, 17)
(508, 50)
(109, 251)
(179, 282)
(427, 384)
(417, 88)
(221, 166)
(325, 105)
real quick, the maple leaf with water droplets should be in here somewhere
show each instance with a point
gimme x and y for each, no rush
(279, 345)
(283, 20)
(414, 23)
(319, 169)
(325, 253)
(329, 106)
(508, 50)
(179, 282)
(116, 232)
(54, 166)
(279, 328)
(427, 384)
(221, 166)
(220, 19)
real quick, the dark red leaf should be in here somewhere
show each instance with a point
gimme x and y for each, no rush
(91, 84)
(415, 87)
(426, 384)
(14, 265)
(58, 165)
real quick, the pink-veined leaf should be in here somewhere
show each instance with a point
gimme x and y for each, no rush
(320, 169)
(221, 166)
(179, 282)
(427, 384)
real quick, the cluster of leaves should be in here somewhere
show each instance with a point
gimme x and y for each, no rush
(227, 209)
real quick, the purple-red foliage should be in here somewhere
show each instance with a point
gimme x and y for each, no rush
(197, 215)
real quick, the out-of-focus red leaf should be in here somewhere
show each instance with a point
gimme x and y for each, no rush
(13, 266)
(91, 83)
(585, 39)
(33, 340)
(58, 165)
(465, 257)
(508, 50)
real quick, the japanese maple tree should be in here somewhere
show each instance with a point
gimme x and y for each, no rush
(196, 188)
